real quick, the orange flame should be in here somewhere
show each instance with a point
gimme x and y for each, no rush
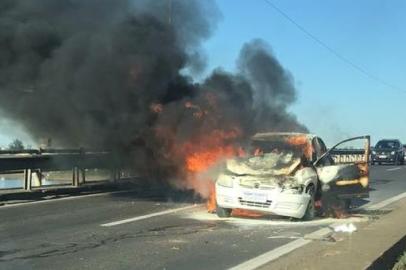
(201, 161)
(211, 201)
(258, 152)
(201, 153)
(156, 107)
(201, 156)
(246, 213)
(303, 142)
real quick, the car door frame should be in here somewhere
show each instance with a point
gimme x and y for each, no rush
(348, 188)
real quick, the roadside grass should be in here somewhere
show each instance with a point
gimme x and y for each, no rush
(401, 264)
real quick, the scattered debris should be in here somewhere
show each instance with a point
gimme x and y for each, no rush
(349, 228)
(332, 253)
(292, 235)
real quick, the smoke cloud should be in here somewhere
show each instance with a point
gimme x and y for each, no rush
(107, 74)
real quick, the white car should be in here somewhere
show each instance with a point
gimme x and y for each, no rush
(285, 173)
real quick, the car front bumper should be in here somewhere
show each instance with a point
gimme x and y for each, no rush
(274, 201)
(384, 158)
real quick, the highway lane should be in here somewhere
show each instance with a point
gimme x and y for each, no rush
(386, 182)
(70, 235)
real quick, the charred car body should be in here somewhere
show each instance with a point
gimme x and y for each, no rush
(286, 173)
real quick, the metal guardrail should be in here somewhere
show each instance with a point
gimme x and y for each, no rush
(33, 162)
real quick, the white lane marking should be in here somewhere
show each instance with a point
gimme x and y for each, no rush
(291, 246)
(282, 250)
(166, 212)
(271, 255)
(65, 198)
(386, 202)
(394, 169)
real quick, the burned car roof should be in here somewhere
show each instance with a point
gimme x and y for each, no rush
(302, 141)
(271, 136)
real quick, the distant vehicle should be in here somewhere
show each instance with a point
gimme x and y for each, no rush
(388, 151)
(404, 149)
(286, 173)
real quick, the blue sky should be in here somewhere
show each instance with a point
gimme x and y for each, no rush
(334, 100)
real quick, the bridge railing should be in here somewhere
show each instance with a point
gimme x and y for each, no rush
(33, 163)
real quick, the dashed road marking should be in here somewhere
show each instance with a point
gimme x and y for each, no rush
(276, 253)
(387, 202)
(80, 196)
(166, 212)
(394, 169)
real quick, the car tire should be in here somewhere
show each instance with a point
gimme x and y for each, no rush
(223, 212)
(311, 207)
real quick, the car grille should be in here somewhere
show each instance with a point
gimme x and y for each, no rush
(266, 204)
(257, 186)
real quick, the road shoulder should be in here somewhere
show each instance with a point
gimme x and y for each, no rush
(357, 250)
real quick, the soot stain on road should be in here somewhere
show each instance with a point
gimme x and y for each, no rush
(269, 221)
(44, 250)
(381, 181)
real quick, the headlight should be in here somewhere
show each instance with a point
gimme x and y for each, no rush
(392, 153)
(225, 180)
(373, 152)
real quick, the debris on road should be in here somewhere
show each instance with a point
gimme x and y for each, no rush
(348, 228)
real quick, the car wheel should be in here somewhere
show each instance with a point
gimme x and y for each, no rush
(311, 207)
(223, 212)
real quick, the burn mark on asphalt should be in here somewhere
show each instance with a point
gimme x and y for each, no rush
(93, 241)
(380, 181)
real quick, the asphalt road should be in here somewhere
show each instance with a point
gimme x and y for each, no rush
(128, 231)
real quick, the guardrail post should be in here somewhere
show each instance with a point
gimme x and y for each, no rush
(27, 179)
(83, 173)
(75, 177)
(40, 177)
(113, 175)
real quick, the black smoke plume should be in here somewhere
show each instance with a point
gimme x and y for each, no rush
(110, 74)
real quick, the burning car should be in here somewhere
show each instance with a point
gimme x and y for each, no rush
(286, 173)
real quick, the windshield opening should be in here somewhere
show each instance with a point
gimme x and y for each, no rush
(387, 144)
(261, 148)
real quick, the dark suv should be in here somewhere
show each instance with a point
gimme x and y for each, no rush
(388, 151)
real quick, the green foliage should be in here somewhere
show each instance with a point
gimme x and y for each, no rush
(16, 145)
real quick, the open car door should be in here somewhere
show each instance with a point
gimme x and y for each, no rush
(343, 169)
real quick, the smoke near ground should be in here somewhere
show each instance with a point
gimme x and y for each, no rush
(107, 74)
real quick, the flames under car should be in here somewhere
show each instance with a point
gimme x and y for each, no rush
(286, 173)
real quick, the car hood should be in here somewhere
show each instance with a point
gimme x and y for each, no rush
(269, 164)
